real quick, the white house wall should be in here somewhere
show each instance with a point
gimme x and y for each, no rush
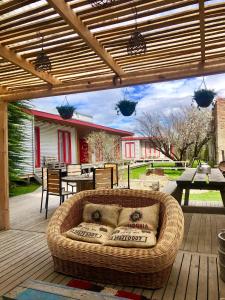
(141, 152)
(49, 140)
(28, 145)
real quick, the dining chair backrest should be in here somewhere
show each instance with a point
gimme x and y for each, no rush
(115, 171)
(44, 178)
(74, 169)
(54, 181)
(103, 178)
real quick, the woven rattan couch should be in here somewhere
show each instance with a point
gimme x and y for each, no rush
(148, 268)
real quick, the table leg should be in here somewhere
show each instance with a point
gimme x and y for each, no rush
(222, 193)
(177, 194)
(186, 197)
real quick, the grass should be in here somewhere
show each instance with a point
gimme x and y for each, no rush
(173, 174)
(22, 187)
(206, 196)
(137, 172)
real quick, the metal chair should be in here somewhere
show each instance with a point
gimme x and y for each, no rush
(73, 170)
(54, 187)
(103, 178)
(115, 172)
(44, 184)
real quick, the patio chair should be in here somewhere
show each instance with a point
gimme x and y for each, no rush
(73, 170)
(115, 171)
(148, 268)
(103, 178)
(54, 187)
(44, 184)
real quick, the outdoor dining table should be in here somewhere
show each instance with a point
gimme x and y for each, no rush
(191, 179)
(83, 182)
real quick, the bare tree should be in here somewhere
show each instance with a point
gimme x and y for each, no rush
(106, 144)
(185, 131)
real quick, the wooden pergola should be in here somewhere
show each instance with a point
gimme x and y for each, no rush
(87, 47)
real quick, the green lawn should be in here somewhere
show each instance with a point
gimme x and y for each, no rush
(21, 188)
(207, 196)
(137, 172)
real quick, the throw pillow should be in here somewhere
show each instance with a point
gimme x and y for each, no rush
(140, 217)
(131, 237)
(101, 214)
(88, 232)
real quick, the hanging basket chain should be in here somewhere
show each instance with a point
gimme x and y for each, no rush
(136, 44)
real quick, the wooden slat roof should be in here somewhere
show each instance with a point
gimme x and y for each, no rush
(88, 46)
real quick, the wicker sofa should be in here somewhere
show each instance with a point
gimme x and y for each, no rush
(149, 268)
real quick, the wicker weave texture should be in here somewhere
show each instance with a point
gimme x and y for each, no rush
(122, 260)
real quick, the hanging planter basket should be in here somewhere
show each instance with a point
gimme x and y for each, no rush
(126, 107)
(66, 110)
(203, 96)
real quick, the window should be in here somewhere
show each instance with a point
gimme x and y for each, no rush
(37, 147)
(129, 150)
(64, 146)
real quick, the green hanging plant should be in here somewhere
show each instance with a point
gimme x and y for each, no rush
(66, 110)
(125, 107)
(203, 96)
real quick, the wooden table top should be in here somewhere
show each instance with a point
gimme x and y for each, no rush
(190, 176)
(77, 178)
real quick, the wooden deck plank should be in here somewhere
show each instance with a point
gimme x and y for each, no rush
(193, 233)
(192, 285)
(187, 222)
(183, 278)
(172, 282)
(213, 292)
(203, 278)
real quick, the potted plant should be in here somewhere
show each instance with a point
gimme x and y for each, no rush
(126, 107)
(66, 110)
(204, 97)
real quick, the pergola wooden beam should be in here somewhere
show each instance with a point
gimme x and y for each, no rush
(76, 24)
(202, 28)
(4, 182)
(215, 66)
(3, 89)
(27, 66)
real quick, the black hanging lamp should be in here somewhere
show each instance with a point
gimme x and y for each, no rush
(42, 62)
(136, 44)
(101, 3)
(204, 96)
(66, 110)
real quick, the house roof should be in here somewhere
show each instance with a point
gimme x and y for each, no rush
(136, 138)
(87, 45)
(77, 123)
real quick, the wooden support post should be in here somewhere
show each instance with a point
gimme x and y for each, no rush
(4, 181)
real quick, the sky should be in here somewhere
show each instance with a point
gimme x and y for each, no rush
(158, 97)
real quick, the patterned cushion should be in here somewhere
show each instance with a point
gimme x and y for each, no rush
(101, 214)
(140, 217)
(131, 237)
(89, 232)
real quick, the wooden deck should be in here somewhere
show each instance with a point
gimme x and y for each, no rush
(24, 254)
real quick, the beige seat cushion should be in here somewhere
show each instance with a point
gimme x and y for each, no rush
(89, 232)
(101, 214)
(131, 237)
(140, 217)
